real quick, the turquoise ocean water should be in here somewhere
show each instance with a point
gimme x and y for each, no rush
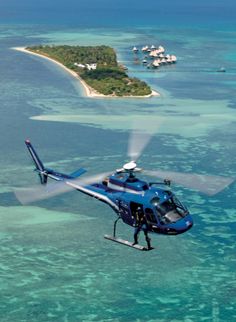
(54, 263)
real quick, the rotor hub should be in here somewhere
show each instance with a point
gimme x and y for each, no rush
(130, 166)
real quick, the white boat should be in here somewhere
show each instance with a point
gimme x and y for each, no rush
(145, 48)
(153, 53)
(161, 49)
(221, 70)
(156, 63)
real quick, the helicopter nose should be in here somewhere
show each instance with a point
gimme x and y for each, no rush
(180, 226)
(188, 224)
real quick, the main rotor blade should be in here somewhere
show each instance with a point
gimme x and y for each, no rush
(207, 184)
(52, 189)
(137, 143)
(141, 135)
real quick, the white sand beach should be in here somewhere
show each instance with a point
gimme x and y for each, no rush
(89, 91)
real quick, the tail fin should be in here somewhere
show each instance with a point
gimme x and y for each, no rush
(38, 163)
(44, 173)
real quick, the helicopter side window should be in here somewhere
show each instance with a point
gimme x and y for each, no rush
(167, 206)
(163, 209)
(161, 216)
(160, 211)
(150, 216)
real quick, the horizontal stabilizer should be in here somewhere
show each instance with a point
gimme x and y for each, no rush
(78, 173)
(126, 243)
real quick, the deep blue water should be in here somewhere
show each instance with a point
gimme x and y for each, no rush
(54, 263)
(121, 13)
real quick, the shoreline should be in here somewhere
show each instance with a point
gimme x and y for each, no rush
(89, 91)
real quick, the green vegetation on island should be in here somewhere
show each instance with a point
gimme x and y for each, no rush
(98, 67)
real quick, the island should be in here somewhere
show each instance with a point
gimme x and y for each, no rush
(97, 69)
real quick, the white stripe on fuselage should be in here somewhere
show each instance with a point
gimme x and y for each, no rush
(124, 189)
(93, 193)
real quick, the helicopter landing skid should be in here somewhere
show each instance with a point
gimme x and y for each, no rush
(126, 243)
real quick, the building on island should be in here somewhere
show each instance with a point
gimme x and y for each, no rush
(88, 66)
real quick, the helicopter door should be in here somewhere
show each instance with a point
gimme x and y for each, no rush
(134, 206)
(151, 218)
(124, 212)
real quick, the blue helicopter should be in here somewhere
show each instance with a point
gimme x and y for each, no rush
(147, 206)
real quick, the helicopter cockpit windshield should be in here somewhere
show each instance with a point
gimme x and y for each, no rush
(169, 211)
